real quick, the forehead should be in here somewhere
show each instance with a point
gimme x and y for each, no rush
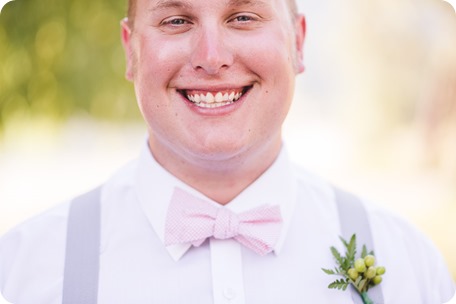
(290, 3)
(190, 3)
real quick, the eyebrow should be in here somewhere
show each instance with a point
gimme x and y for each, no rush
(245, 3)
(164, 4)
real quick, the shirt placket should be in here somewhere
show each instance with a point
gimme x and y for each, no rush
(227, 273)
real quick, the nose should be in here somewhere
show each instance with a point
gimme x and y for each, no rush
(211, 54)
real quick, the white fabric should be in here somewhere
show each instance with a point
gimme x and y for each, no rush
(135, 266)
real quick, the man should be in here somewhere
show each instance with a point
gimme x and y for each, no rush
(214, 80)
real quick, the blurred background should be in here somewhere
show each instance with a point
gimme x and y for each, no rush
(374, 112)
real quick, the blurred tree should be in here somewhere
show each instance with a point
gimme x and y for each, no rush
(59, 57)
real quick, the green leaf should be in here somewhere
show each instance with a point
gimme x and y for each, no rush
(343, 241)
(351, 250)
(340, 284)
(328, 271)
(337, 255)
(364, 252)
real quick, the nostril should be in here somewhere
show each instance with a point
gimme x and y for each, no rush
(211, 56)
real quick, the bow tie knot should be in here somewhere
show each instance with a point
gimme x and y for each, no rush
(226, 224)
(193, 220)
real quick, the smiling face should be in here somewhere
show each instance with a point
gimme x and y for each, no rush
(214, 79)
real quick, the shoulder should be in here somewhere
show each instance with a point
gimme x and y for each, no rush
(407, 253)
(411, 256)
(44, 225)
(51, 224)
(388, 227)
(33, 251)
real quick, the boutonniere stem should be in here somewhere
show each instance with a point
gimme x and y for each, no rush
(361, 273)
(366, 299)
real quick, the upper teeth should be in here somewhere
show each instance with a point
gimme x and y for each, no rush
(210, 98)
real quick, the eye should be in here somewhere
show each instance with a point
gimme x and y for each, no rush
(242, 18)
(245, 20)
(176, 24)
(176, 21)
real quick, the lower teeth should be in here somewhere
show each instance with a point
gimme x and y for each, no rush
(213, 105)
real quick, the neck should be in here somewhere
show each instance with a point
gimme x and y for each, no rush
(219, 179)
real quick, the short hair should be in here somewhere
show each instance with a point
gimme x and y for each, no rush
(131, 9)
(292, 6)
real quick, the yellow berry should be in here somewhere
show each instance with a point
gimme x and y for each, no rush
(381, 270)
(369, 260)
(377, 280)
(360, 266)
(371, 272)
(353, 274)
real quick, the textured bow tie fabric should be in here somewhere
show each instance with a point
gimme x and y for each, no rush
(193, 220)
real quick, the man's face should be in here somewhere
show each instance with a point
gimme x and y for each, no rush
(213, 78)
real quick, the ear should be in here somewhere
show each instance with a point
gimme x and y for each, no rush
(300, 30)
(126, 42)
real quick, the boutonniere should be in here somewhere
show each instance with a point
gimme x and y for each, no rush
(361, 272)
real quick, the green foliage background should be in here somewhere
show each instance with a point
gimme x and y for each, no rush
(60, 57)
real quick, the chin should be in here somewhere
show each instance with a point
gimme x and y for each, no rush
(218, 151)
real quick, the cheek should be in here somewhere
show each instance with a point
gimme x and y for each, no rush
(270, 55)
(157, 61)
(156, 68)
(278, 92)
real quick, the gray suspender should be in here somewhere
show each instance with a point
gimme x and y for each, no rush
(80, 284)
(80, 281)
(353, 219)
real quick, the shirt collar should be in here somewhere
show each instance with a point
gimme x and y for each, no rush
(155, 186)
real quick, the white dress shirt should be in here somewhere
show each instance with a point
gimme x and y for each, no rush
(136, 267)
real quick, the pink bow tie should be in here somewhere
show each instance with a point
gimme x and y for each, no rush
(192, 220)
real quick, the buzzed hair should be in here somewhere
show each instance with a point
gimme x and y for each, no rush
(132, 9)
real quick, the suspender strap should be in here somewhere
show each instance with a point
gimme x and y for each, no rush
(80, 283)
(353, 219)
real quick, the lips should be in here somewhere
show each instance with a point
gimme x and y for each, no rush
(214, 99)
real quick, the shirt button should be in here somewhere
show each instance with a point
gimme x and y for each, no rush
(229, 293)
